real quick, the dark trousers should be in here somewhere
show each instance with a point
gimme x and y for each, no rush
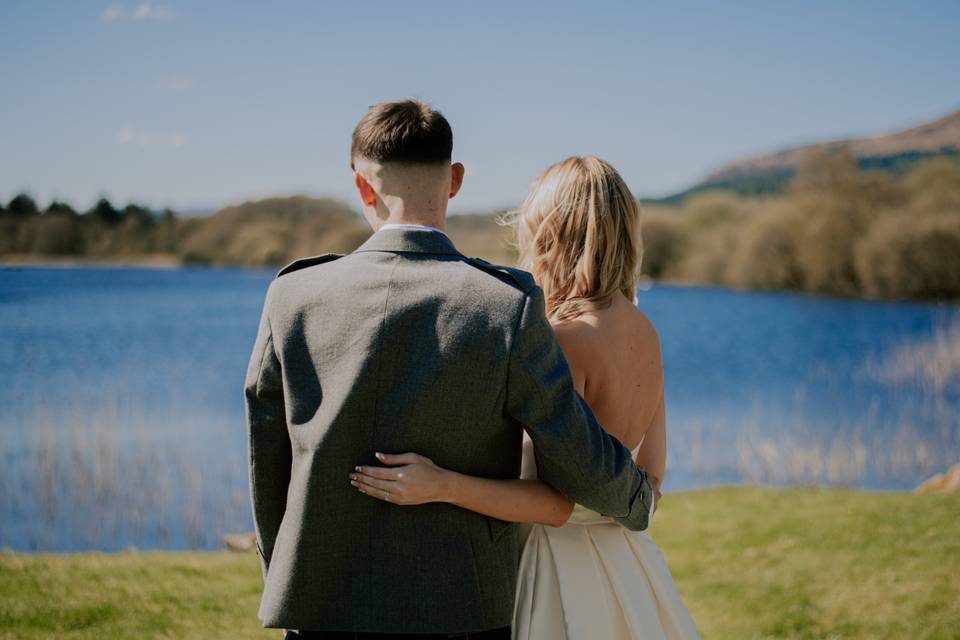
(493, 634)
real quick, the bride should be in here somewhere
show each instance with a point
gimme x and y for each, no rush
(582, 576)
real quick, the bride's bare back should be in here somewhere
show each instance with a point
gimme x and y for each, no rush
(614, 354)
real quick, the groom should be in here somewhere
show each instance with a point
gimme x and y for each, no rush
(407, 345)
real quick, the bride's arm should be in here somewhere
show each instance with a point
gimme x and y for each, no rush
(412, 479)
(420, 481)
(653, 452)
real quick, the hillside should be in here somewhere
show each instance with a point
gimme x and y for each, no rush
(272, 231)
(895, 152)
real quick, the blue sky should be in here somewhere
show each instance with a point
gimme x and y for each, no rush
(199, 104)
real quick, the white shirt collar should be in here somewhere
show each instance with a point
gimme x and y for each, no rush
(412, 227)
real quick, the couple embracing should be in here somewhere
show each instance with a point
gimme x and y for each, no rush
(445, 448)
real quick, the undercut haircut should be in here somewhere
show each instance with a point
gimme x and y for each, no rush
(402, 131)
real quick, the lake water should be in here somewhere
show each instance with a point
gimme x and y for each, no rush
(121, 408)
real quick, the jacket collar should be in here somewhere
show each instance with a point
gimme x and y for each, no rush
(409, 241)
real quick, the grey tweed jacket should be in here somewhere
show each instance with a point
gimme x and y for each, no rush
(407, 345)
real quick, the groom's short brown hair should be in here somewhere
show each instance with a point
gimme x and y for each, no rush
(402, 131)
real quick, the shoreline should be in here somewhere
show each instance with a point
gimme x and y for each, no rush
(151, 261)
(173, 261)
(694, 493)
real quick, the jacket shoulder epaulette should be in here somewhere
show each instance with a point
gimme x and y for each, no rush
(521, 278)
(302, 263)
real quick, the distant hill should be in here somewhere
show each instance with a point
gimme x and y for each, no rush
(274, 231)
(896, 152)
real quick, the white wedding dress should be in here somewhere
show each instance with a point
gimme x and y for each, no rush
(593, 579)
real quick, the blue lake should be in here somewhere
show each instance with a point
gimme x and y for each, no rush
(121, 411)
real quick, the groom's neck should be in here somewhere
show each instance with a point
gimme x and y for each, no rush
(407, 193)
(413, 211)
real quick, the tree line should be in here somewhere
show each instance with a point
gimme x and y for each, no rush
(104, 230)
(838, 229)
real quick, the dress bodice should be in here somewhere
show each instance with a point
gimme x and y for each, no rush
(581, 515)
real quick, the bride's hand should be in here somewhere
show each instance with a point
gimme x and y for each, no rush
(410, 479)
(657, 495)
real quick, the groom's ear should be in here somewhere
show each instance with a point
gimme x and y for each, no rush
(456, 178)
(367, 194)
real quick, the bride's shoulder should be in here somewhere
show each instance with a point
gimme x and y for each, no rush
(595, 330)
(644, 338)
(582, 345)
(578, 334)
(642, 324)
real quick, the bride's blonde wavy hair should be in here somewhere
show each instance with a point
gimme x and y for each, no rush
(578, 233)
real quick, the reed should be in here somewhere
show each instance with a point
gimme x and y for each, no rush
(108, 476)
(932, 363)
(881, 447)
(108, 479)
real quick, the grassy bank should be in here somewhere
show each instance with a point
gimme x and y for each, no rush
(751, 563)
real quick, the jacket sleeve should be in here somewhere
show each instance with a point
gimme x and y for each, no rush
(574, 454)
(269, 444)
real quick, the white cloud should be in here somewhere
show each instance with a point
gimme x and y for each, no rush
(141, 11)
(150, 11)
(111, 13)
(175, 83)
(145, 138)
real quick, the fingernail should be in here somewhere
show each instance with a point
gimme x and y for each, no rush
(353, 482)
(379, 455)
(358, 468)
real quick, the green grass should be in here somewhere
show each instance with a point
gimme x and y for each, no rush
(807, 563)
(750, 563)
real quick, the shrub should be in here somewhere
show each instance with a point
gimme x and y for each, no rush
(709, 210)
(706, 255)
(934, 186)
(909, 256)
(51, 233)
(767, 252)
(826, 235)
(662, 235)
